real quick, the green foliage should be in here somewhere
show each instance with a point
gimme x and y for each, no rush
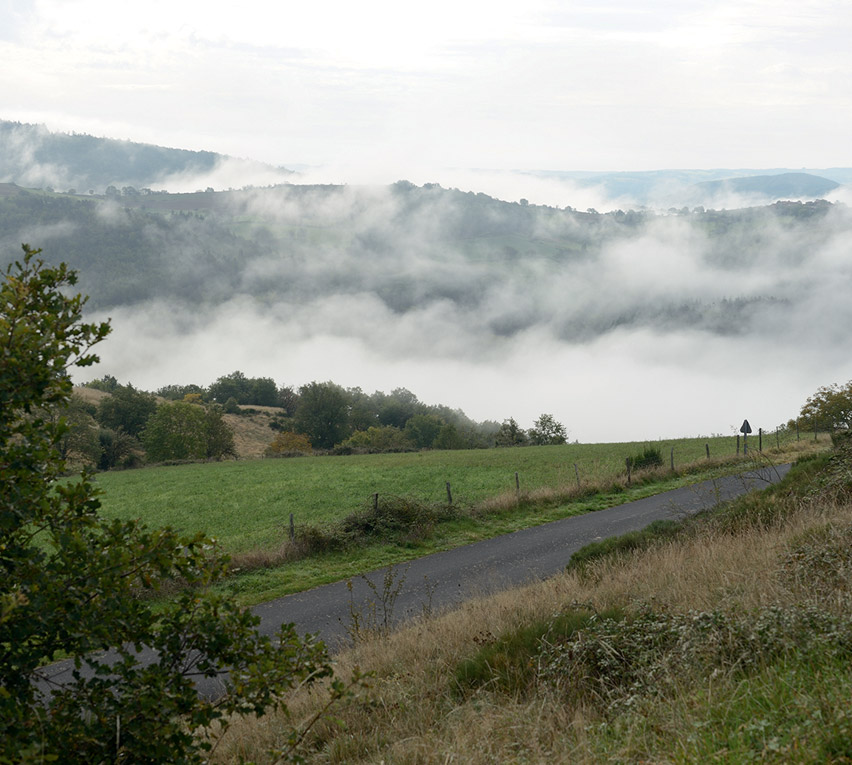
(449, 438)
(507, 663)
(383, 438)
(423, 429)
(649, 457)
(399, 518)
(288, 443)
(829, 409)
(126, 409)
(182, 431)
(107, 383)
(69, 579)
(511, 434)
(322, 414)
(256, 391)
(614, 662)
(625, 543)
(547, 431)
(118, 450)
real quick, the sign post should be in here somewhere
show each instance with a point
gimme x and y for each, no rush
(745, 430)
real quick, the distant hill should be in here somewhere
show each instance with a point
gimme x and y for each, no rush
(33, 156)
(675, 188)
(784, 185)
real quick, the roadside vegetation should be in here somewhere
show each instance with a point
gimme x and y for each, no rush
(727, 641)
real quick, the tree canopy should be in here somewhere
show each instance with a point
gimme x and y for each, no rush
(70, 581)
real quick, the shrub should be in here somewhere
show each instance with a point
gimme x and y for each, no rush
(288, 443)
(649, 457)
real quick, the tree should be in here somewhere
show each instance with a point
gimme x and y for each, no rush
(70, 580)
(423, 429)
(511, 434)
(546, 430)
(183, 431)
(322, 414)
(126, 409)
(450, 438)
(830, 408)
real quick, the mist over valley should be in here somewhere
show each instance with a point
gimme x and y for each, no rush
(626, 323)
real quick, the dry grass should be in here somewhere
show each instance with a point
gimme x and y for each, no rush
(412, 715)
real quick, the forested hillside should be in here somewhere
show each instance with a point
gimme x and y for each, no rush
(412, 247)
(31, 155)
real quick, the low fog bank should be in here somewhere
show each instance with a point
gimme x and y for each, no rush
(661, 327)
(625, 386)
(625, 326)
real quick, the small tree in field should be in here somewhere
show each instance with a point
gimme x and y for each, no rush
(70, 580)
(830, 408)
(546, 430)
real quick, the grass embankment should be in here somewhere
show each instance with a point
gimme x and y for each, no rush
(730, 641)
(246, 505)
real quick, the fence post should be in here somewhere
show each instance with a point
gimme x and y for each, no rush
(292, 528)
(672, 459)
(760, 439)
(707, 447)
(577, 474)
(777, 439)
(375, 501)
(517, 487)
(627, 462)
(738, 444)
(449, 494)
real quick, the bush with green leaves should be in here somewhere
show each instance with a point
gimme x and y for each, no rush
(182, 431)
(71, 582)
(649, 457)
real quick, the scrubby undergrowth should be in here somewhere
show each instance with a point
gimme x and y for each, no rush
(730, 641)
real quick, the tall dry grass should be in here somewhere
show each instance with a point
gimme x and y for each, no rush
(412, 714)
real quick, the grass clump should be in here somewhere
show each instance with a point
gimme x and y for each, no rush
(654, 533)
(649, 457)
(507, 663)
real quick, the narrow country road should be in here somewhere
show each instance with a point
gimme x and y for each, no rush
(445, 579)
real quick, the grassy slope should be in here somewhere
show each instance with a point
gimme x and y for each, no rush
(246, 504)
(729, 644)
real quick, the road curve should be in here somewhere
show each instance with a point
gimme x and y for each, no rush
(442, 580)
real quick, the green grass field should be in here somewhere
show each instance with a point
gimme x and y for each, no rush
(246, 505)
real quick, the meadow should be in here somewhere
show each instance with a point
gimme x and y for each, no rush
(246, 505)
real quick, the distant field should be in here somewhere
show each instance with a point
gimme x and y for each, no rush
(247, 504)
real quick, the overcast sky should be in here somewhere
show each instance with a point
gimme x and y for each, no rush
(383, 89)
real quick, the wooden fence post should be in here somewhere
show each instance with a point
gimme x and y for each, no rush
(375, 501)
(707, 447)
(672, 459)
(449, 494)
(627, 462)
(760, 439)
(738, 444)
(292, 528)
(517, 487)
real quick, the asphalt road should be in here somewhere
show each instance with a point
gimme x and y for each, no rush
(443, 580)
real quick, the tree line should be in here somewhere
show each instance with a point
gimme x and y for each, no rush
(187, 422)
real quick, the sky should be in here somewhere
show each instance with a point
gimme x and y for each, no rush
(379, 90)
